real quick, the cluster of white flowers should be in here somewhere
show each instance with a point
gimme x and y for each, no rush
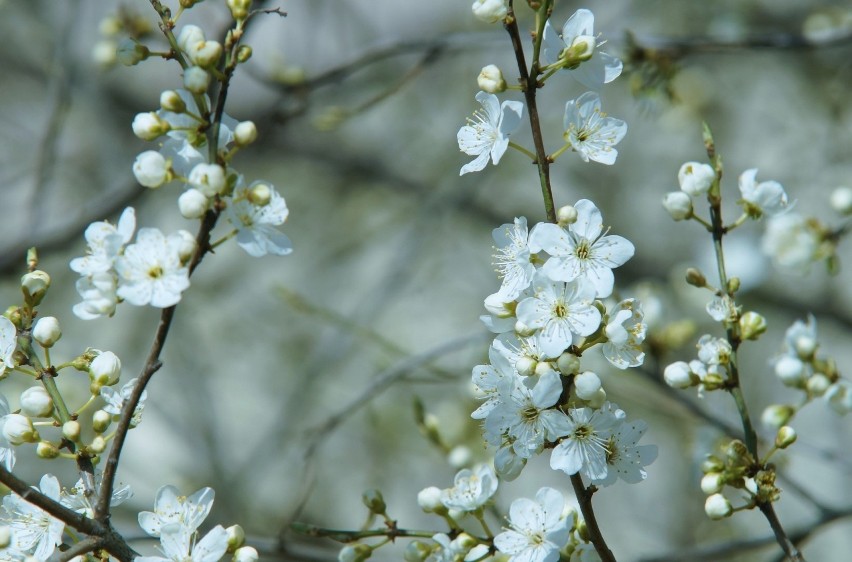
(587, 130)
(545, 312)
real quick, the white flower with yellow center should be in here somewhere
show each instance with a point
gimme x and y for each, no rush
(538, 530)
(590, 132)
(151, 270)
(487, 133)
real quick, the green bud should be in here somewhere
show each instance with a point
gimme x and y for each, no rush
(752, 325)
(374, 501)
(695, 278)
(46, 450)
(785, 437)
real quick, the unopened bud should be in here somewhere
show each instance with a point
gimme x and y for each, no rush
(695, 278)
(678, 205)
(712, 483)
(752, 325)
(5, 536)
(526, 366)
(236, 537)
(785, 437)
(544, 368)
(209, 179)
(131, 53)
(151, 169)
(193, 204)
(679, 375)
(98, 445)
(259, 194)
(416, 551)
(696, 178)
(357, 552)
(717, 506)
(196, 79)
(245, 133)
(733, 285)
(34, 286)
(71, 430)
(790, 370)
(245, 554)
(818, 384)
(566, 215)
(36, 402)
(105, 369)
(568, 364)
(46, 331)
(149, 126)
(737, 452)
(712, 464)
(170, 100)
(101, 420)
(18, 429)
(597, 400)
(777, 415)
(374, 501)
(239, 8)
(429, 500)
(206, 53)
(490, 11)
(586, 385)
(841, 200)
(186, 247)
(523, 330)
(491, 80)
(244, 53)
(46, 450)
(460, 456)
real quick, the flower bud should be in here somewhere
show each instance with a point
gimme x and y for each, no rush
(193, 204)
(34, 285)
(245, 554)
(712, 483)
(151, 169)
(717, 506)
(71, 430)
(818, 384)
(171, 101)
(5, 536)
(18, 429)
(429, 500)
(236, 537)
(98, 445)
(790, 370)
(46, 331)
(416, 551)
(244, 53)
(586, 385)
(806, 347)
(105, 369)
(245, 133)
(526, 366)
(752, 325)
(46, 450)
(679, 375)
(131, 53)
(209, 179)
(357, 552)
(189, 36)
(523, 330)
(36, 402)
(776, 415)
(785, 437)
(196, 79)
(568, 364)
(737, 452)
(206, 53)
(494, 305)
(186, 248)
(696, 178)
(459, 457)
(259, 194)
(597, 400)
(841, 200)
(239, 8)
(566, 215)
(491, 80)
(490, 11)
(544, 368)
(678, 204)
(580, 50)
(695, 278)
(374, 501)
(149, 126)
(101, 420)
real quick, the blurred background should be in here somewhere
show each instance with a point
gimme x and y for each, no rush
(289, 384)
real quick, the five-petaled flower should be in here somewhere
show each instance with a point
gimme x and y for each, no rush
(487, 133)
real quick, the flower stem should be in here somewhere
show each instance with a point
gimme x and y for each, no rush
(523, 150)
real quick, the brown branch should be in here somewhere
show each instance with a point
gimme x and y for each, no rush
(584, 497)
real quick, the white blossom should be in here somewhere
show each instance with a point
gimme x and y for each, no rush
(487, 133)
(150, 271)
(490, 11)
(178, 546)
(538, 530)
(764, 198)
(151, 169)
(583, 448)
(792, 241)
(115, 400)
(696, 178)
(255, 224)
(34, 530)
(489, 379)
(105, 243)
(170, 507)
(99, 296)
(590, 132)
(626, 459)
(513, 259)
(8, 344)
(582, 250)
(625, 333)
(78, 500)
(471, 488)
(592, 68)
(7, 454)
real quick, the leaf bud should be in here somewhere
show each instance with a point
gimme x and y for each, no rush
(717, 506)
(131, 53)
(566, 215)
(374, 501)
(678, 205)
(71, 430)
(583, 530)
(752, 325)
(491, 80)
(34, 286)
(46, 331)
(785, 437)
(18, 429)
(46, 450)
(36, 402)
(101, 420)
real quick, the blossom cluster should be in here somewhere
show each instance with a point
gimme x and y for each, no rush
(587, 130)
(546, 313)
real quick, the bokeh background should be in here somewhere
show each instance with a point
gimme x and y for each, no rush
(289, 384)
